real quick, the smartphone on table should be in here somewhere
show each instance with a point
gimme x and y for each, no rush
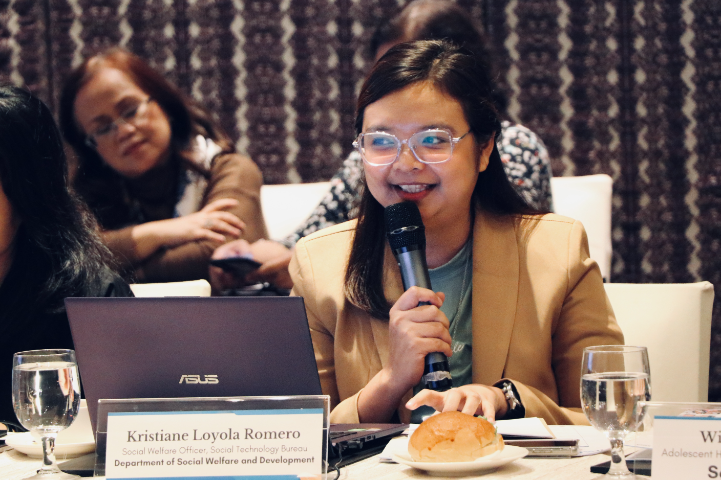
(542, 447)
(240, 266)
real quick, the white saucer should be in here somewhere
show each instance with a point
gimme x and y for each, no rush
(509, 454)
(25, 443)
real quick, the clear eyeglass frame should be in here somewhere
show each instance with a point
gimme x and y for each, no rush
(452, 141)
(130, 116)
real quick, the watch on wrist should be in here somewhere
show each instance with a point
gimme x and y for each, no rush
(513, 399)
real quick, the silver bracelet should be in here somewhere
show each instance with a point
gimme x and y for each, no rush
(515, 407)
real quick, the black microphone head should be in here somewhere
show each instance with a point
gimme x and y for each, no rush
(404, 226)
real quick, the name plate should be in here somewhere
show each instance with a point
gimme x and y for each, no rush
(273, 443)
(686, 447)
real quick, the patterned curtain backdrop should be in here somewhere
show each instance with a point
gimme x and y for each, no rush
(631, 88)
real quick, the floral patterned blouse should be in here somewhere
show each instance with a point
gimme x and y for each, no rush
(524, 157)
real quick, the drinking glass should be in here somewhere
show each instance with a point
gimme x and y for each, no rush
(615, 379)
(46, 398)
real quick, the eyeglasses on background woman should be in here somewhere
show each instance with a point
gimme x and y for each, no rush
(132, 115)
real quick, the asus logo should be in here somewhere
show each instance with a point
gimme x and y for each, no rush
(209, 379)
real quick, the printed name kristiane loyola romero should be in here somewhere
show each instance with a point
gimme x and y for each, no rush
(212, 437)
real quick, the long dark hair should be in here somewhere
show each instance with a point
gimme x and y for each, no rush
(56, 248)
(438, 20)
(457, 72)
(100, 185)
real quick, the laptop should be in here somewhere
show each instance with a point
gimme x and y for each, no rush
(350, 443)
(172, 347)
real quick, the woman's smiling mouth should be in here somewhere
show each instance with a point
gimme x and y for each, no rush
(414, 188)
(413, 192)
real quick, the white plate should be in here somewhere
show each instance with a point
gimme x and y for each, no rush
(489, 462)
(25, 443)
(74, 441)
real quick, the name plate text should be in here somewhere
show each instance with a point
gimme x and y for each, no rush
(686, 447)
(228, 444)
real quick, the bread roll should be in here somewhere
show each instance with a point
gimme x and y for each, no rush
(453, 437)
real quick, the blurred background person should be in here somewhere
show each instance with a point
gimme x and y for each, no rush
(525, 157)
(49, 249)
(163, 180)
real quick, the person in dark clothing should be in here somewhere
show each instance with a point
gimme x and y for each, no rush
(49, 248)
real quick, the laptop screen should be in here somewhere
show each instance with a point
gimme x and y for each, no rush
(172, 347)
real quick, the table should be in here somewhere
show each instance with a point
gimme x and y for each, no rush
(577, 468)
(16, 466)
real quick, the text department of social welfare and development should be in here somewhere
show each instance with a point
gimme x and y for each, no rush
(211, 461)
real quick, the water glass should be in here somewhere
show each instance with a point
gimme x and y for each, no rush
(46, 398)
(615, 380)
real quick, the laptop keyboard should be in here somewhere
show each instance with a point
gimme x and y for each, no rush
(336, 435)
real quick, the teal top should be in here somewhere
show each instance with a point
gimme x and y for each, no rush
(455, 279)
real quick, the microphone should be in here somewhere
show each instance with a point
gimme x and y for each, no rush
(407, 238)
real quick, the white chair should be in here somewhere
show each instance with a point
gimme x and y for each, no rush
(192, 288)
(588, 199)
(674, 322)
(286, 206)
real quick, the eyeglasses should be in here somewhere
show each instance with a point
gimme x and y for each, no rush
(131, 116)
(428, 146)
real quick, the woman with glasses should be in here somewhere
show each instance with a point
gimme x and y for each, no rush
(48, 246)
(164, 182)
(525, 158)
(515, 295)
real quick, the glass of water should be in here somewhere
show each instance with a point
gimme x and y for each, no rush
(615, 380)
(46, 398)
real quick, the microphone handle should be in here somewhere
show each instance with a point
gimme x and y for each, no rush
(414, 272)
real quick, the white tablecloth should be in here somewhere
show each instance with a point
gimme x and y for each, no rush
(16, 466)
(527, 468)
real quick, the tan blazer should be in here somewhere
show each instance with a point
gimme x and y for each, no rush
(538, 300)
